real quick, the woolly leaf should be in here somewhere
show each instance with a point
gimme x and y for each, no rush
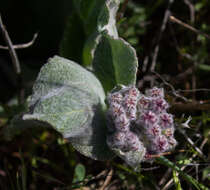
(91, 18)
(106, 22)
(107, 18)
(71, 100)
(132, 158)
(115, 62)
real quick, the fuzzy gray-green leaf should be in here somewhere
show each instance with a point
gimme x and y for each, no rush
(71, 100)
(115, 62)
(132, 158)
(106, 22)
(107, 18)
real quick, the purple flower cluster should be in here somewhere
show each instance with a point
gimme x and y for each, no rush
(140, 122)
(122, 111)
(154, 123)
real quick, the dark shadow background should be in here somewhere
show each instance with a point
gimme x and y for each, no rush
(22, 19)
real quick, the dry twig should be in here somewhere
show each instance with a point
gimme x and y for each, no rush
(163, 26)
(174, 92)
(176, 20)
(200, 153)
(107, 180)
(189, 107)
(11, 49)
(192, 10)
(122, 10)
(22, 46)
(185, 55)
(15, 61)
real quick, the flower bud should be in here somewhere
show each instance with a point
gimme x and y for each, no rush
(159, 145)
(133, 92)
(115, 97)
(143, 103)
(122, 123)
(155, 92)
(117, 140)
(154, 131)
(159, 105)
(166, 120)
(132, 141)
(168, 132)
(172, 142)
(116, 110)
(148, 118)
(130, 107)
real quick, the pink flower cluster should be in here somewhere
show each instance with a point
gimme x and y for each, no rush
(140, 121)
(154, 123)
(122, 111)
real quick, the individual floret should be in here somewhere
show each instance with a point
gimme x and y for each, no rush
(130, 107)
(159, 145)
(153, 131)
(122, 123)
(116, 110)
(130, 101)
(115, 98)
(133, 142)
(143, 103)
(155, 92)
(166, 120)
(117, 140)
(172, 142)
(158, 105)
(148, 118)
(133, 92)
(168, 132)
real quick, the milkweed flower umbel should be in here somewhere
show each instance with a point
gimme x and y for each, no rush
(139, 123)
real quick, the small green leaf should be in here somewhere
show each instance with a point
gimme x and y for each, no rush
(176, 180)
(204, 67)
(79, 173)
(71, 100)
(168, 163)
(199, 6)
(115, 62)
(206, 174)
